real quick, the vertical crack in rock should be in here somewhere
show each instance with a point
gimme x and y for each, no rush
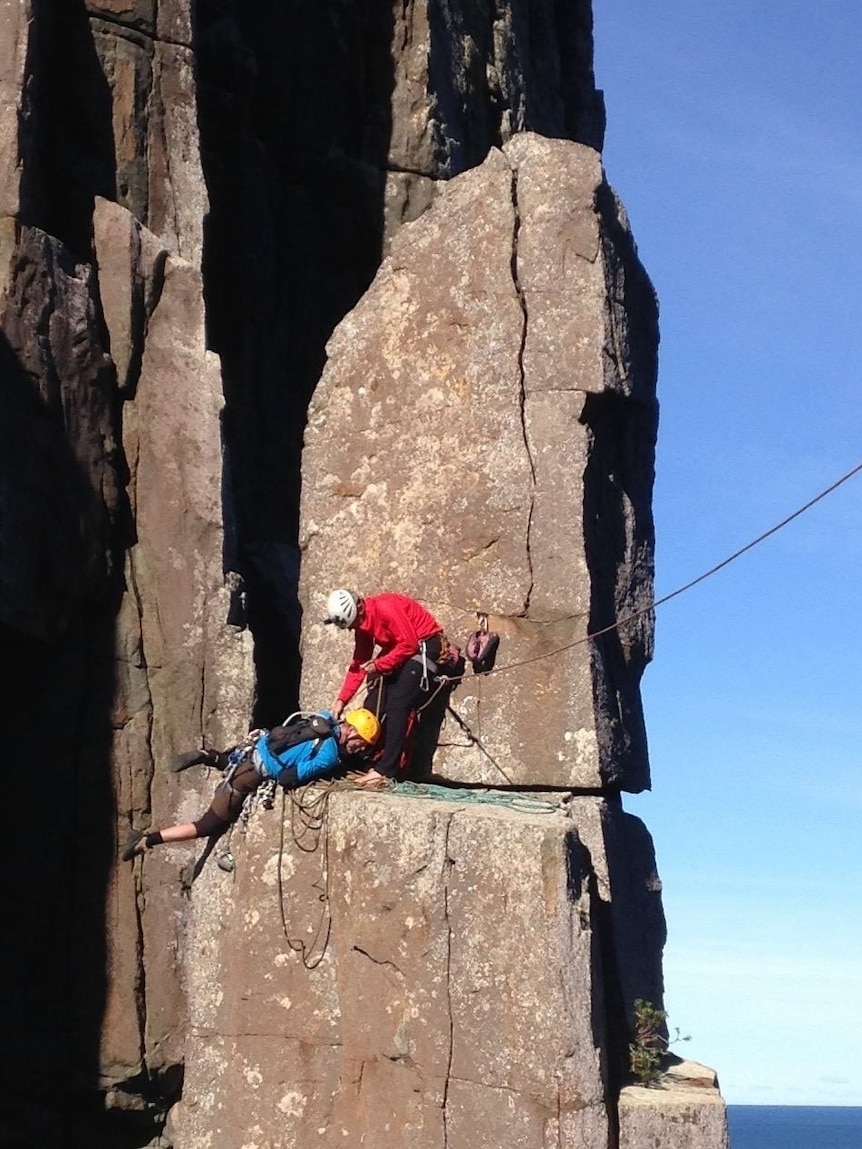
(140, 986)
(202, 698)
(141, 979)
(156, 107)
(516, 228)
(147, 297)
(448, 866)
(610, 1015)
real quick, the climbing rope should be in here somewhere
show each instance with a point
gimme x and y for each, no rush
(485, 797)
(474, 740)
(621, 622)
(447, 680)
(309, 815)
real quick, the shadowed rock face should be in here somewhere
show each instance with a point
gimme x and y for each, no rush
(113, 597)
(193, 199)
(483, 435)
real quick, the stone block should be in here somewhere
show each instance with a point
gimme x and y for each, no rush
(480, 441)
(459, 995)
(684, 1111)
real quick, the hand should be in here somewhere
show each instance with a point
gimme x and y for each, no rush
(337, 709)
(372, 779)
(370, 669)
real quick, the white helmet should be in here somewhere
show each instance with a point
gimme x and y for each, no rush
(342, 607)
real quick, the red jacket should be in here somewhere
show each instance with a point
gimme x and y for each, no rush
(395, 623)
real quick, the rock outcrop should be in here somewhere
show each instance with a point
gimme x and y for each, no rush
(202, 206)
(462, 998)
(483, 434)
(685, 1109)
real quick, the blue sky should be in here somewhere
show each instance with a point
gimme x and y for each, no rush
(735, 141)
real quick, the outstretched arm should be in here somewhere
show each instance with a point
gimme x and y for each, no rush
(362, 652)
(185, 832)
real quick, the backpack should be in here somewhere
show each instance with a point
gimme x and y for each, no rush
(481, 650)
(300, 728)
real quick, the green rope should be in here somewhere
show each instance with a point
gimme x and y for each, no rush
(483, 797)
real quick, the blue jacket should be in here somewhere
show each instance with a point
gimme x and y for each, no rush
(312, 758)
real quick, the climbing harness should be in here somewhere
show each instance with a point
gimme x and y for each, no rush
(224, 858)
(239, 753)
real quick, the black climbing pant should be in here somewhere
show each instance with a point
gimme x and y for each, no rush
(402, 693)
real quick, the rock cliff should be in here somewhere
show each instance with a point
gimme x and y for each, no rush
(483, 433)
(211, 216)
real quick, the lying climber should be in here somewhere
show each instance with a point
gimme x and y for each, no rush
(293, 754)
(411, 644)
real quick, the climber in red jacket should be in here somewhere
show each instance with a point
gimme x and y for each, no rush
(410, 642)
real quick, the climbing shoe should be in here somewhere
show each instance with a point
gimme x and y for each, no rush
(196, 758)
(136, 843)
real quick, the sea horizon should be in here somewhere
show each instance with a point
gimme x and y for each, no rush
(771, 1126)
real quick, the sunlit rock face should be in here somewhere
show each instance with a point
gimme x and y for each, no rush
(433, 1018)
(183, 676)
(687, 1111)
(417, 969)
(482, 438)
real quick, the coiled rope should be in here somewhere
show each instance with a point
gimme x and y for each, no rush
(309, 812)
(485, 797)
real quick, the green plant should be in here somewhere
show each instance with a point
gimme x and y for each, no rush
(650, 1042)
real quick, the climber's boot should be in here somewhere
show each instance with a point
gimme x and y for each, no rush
(197, 758)
(136, 843)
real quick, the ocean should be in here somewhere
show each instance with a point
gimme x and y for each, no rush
(794, 1127)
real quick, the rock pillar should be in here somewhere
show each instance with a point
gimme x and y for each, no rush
(482, 438)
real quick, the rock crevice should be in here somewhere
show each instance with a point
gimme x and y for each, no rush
(522, 389)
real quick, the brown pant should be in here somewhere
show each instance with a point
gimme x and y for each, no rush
(228, 799)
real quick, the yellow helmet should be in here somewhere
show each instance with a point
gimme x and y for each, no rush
(365, 724)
